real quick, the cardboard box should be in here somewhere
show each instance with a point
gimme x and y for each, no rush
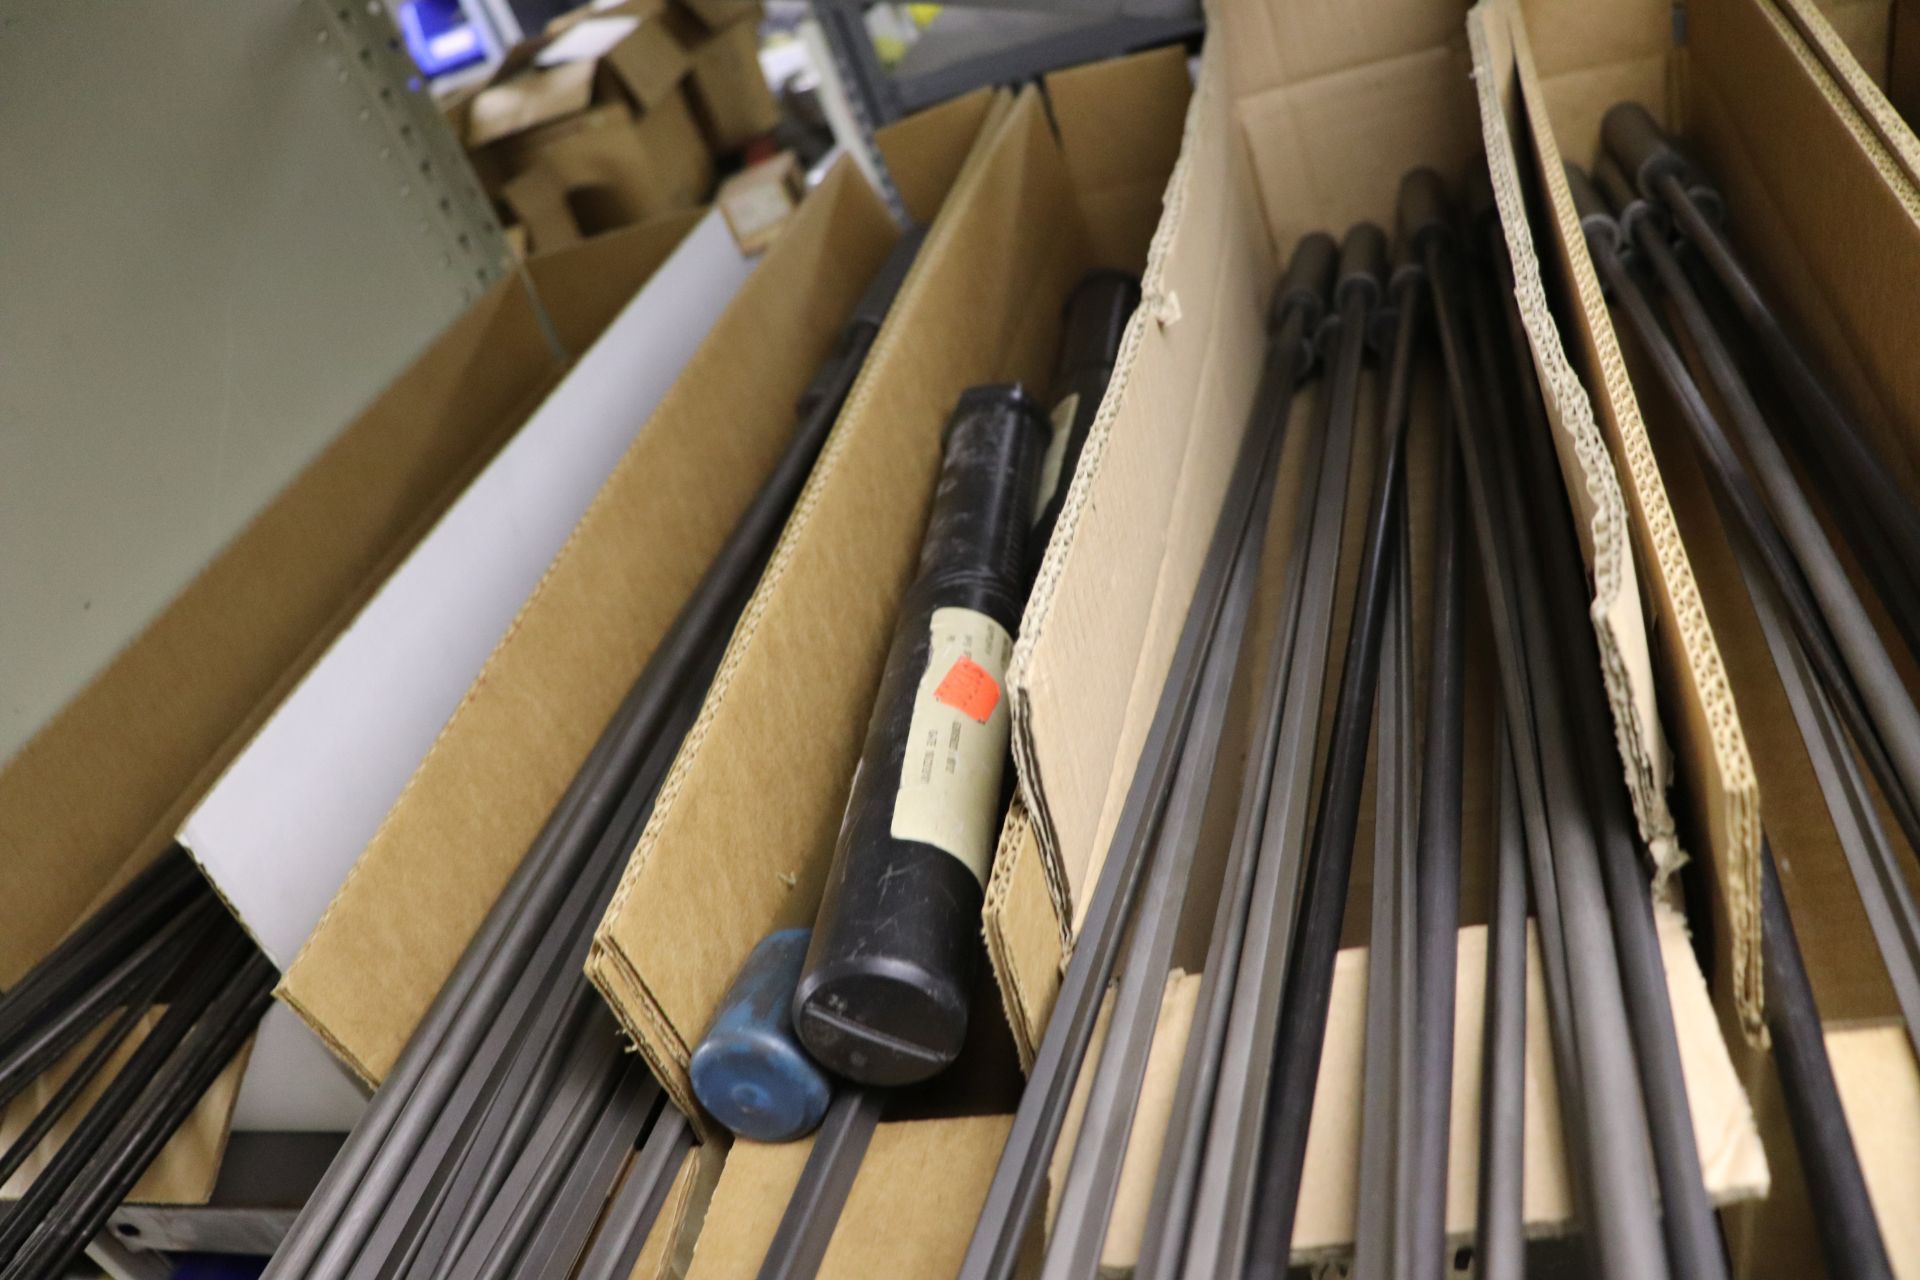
(757, 200)
(279, 828)
(755, 799)
(1274, 147)
(103, 787)
(729, 91)
(434, 863)
(629, 59)
(1786, 111)
(601, 169)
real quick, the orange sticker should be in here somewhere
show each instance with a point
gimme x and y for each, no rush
(970, 689)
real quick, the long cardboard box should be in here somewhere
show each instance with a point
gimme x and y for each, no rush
(741, 837)
(438, 858)
(1787, 113)
(104, 786)
(1299, 122)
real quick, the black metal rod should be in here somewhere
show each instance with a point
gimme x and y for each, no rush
(1086, 1194)
(1013, 1195)
(1691, 1232)
(636, 1206)
(96, 943)
(1495, 539)
(1323, 900)
(208, 969)
(839, 1145)
(1626, 1236)
(139, 1000)
(551, 1238)
(1740, 505)
(1892, 913)
(1380, 1240)
(1222, 1202)
(1175, 1183)
(43, 1044)
(1843, 1212)
(1834, 441)
(1437, 892)
(1500, 1242)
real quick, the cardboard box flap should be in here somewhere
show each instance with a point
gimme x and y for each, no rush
(649, 63)
(537, 96)
(1593, 486)
(1693, 674)
(1094, 634)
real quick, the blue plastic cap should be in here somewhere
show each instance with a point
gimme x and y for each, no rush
(750, 1071)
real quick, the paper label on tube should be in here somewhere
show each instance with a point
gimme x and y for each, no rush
(1056, 458)
(949, 793)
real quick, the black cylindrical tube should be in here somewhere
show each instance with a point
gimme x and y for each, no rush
(1096, 318)
(889, 975)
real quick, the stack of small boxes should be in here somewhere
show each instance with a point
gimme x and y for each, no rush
(617, 114)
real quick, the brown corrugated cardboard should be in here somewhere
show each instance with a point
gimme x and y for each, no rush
(718, 15)
(599, 278)
(729, 91)
(757, 200)
(1718, 769)
(638, 71)
(743, 830)
(1818, 174)
(910, 1212)
(668, 1251)
(399, 924)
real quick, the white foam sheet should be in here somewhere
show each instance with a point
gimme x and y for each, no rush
(282, 827)
(294, 1083)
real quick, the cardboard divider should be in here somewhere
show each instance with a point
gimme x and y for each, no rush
(1721, 790)
(910, 1212)
(1817, 172)
(742, 834)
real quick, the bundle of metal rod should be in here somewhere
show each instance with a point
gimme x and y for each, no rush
(1776, 584)
(163, 945)
(494, 1142)
(1828, 616)
(1203, 1197)
(1215, 620)
(1878, 519)
(1309, 982)
(1603, 1104)
(1532, 482)
(1824, 648)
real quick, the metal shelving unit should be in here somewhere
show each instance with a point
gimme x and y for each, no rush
(230, 223)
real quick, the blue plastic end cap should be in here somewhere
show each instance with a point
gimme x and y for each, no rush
(763, 1088)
